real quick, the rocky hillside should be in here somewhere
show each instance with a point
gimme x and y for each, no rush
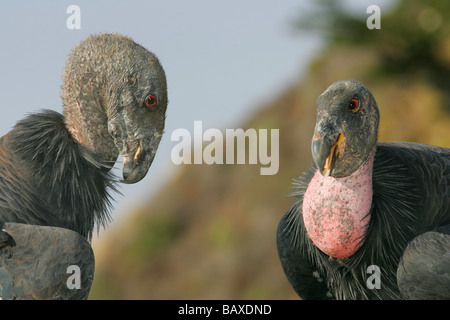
(210, 233)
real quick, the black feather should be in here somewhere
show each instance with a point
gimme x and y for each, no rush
(47, 178)
(34, 263)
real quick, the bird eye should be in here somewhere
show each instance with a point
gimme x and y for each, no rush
(150, 101)
(354, 105)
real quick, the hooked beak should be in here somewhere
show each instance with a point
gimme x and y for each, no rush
(137, 163)
(324, 151)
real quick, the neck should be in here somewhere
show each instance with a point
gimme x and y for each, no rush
(87, 123)
(86, 90)
(336, 210)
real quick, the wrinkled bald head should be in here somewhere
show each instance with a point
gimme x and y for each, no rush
(115, 98)
(346, 128)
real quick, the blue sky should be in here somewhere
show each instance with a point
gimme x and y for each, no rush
(222, 59)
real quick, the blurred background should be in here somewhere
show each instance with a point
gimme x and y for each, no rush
(208, 231)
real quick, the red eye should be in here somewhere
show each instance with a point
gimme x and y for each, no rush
(354, 105)
(150, 101)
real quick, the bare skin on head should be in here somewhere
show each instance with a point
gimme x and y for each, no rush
(115, 99)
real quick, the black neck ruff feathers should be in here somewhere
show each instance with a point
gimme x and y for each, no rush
(73, 186)
(392, 225)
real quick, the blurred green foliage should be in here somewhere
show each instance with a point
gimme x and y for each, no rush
(152, 235)
(414, 38)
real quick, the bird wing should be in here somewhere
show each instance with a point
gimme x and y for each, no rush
(430, 167)
(41, 262)
(424, 270)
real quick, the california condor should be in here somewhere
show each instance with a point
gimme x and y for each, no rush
(55, 175)
(365, 209)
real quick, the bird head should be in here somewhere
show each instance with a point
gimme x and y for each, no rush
(115, 96)
(136, 114)
(346, 128)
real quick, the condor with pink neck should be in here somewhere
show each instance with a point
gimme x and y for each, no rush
(336, 210)
(338, 199)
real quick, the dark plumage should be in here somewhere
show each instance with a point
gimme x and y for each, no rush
(47, 178)
(54, 169)
(406, 229)
(418, 277)
(30, 278)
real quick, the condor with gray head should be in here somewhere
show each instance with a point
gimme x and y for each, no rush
(54, 169)
(363, 205)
